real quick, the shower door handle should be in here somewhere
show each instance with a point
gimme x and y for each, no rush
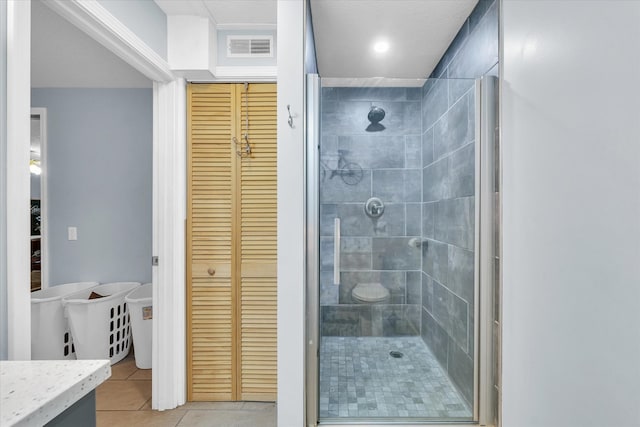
(336, 251)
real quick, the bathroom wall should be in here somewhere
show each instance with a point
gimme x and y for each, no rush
(448, 209)
(371, 250)
(291, 217)
(570, 266)
(474, 50)
(448, 224)
(99, 169)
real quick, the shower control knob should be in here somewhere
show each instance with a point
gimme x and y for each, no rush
(211, 271)
(374, 208)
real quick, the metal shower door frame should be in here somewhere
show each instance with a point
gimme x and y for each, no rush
(485, 132)
(485, 136)
(312, 258)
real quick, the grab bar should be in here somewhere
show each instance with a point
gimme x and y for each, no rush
(336, 251)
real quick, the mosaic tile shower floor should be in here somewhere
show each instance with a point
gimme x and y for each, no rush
(359, 378)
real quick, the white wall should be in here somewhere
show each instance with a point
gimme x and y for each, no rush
(571, 213)
(99, 179)
(144, 18)
(290, 215)
(192, 46)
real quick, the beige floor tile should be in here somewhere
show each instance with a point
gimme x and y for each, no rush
(214, 418)
(125, 400)
(229, 406)
(258, 406)
(146, 406)
(122, 395)
(140, 374)
(139, 418)
(123, 369)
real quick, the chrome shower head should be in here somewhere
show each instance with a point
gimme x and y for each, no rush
(376, 114)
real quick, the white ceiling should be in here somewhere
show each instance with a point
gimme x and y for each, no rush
(226, 14)
(64, 56)
(418, 32)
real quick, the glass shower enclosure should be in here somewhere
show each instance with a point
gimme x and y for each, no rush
(400, 184)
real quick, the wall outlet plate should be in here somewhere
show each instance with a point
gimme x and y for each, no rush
(72, 233)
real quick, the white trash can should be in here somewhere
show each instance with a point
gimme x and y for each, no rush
(100, 327)
(141, 313)
(50, 335)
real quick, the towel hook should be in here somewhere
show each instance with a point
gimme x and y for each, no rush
(290, 120)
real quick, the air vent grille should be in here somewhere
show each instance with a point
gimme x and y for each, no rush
(249, 46)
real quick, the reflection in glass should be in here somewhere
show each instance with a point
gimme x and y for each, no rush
(35, 169)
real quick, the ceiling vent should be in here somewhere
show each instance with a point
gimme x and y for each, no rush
(249, 46)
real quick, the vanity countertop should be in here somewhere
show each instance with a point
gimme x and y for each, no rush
(34, 392)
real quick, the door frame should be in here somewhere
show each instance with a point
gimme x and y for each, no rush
(18, 179)
(169, 189)
(312, 249)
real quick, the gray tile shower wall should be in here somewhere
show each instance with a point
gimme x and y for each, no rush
(377, 320)
(474, 50)
(371, 250)
(448, 188)
(448, 218)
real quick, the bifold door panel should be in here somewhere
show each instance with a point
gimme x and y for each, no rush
(231, 242)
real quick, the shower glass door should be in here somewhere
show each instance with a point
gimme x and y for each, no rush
(396, 172)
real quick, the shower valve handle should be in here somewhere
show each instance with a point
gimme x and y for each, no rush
(374, 208)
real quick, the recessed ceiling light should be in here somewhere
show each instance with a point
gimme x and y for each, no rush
(381, 46)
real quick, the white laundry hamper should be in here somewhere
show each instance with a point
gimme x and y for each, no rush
(100, 327)
(50, 335)
(140, 303)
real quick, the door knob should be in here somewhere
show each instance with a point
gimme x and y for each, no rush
(211, 271)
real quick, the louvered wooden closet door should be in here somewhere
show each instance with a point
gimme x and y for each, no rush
(231, 243)
(257, 241)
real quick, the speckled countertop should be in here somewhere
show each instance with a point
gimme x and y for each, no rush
(32, 393)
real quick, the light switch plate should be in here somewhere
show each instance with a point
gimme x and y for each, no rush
(72, 233)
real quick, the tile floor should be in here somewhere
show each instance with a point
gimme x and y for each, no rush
(124, 400)
(360, 379)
